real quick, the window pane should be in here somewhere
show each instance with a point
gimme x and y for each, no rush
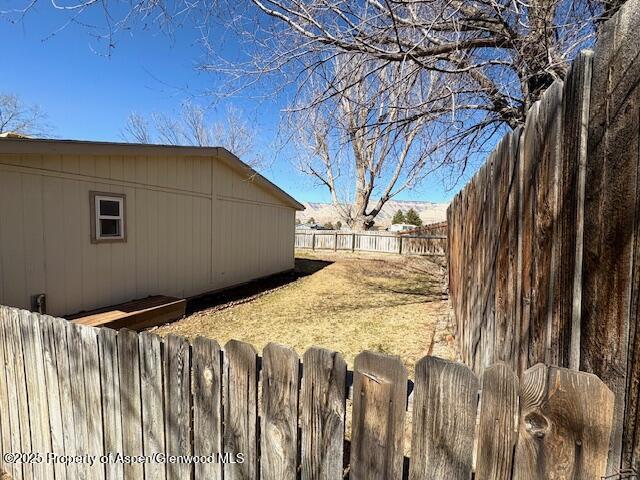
(110, 208)
(110, 228)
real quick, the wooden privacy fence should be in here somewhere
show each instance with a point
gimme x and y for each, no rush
(372, 242)
(439, 228)
(70, 391)
(544, 241)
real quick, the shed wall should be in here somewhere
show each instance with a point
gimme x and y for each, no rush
(193, 225)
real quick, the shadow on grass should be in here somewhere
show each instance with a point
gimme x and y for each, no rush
(424, 278)
(303, 267)
(307, 266)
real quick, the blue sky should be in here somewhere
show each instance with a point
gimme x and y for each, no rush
(88, 95)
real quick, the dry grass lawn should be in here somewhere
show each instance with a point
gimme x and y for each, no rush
(346, 302)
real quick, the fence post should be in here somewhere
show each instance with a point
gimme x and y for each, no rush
(400, 237)
(335, 242)
(353, 242)
(313, 241)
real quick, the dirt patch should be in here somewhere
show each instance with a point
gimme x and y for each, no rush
(341, 301)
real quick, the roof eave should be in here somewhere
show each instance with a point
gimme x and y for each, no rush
(12, 145)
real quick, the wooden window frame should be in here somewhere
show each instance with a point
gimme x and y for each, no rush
(94, 197)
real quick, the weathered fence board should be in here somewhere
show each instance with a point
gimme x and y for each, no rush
(322, 414)
(564, 427)
(544, 347)
(207, 406)
(93, 395)
(526, 231)
(504, 316)
(21, 393)
(125, 393)
(11, 418)
(379, 405)
(497, 431)
(177, 402)
(34, 374)
(444, 418)
(78, 394)
(577, 99)
(5, 422)
(52, 391)
(21, 331)
(110, 385)
(241, 409)
(130, 401)
(151, 381)
(279, 434)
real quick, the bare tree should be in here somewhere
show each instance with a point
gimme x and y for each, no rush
(361, 146)
(137, 129)
(196, 130)
(503, 52)
(19, 117)
(507, 50)
(170, 130)
(191, 127)
(235, 133)
(473, 67)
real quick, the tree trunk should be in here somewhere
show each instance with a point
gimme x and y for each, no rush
(362, 222)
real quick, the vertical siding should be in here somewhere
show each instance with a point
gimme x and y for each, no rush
(254, 233)
(193, 225)
(32, 198)
(13, 254)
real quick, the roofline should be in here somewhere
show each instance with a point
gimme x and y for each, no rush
(80, 147)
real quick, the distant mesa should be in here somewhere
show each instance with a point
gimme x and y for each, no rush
(429, 212)
(14, 135)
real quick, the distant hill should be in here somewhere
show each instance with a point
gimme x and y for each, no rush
(429, 212)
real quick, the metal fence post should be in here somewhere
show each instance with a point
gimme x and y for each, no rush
(313, 241)
(400, 245)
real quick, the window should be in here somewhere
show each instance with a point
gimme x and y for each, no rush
(108, 221)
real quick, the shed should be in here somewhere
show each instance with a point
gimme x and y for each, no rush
(93, 224)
